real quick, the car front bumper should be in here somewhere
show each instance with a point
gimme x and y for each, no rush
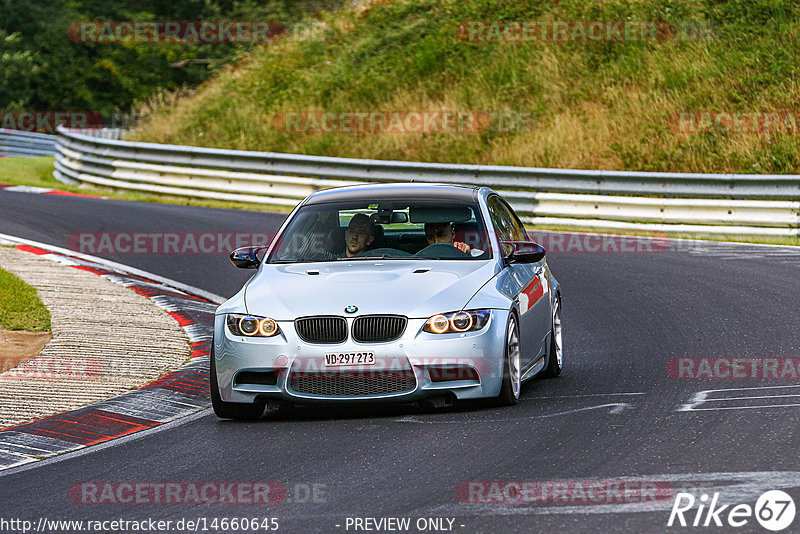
(430, 365)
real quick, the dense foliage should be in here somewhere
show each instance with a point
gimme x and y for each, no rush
(41, 68)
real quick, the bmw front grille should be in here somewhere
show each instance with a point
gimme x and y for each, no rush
(378, 328)
(321, 329)
(326, 329)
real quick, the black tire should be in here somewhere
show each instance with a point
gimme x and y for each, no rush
(554, 366)
(231, 410)
(509, 391)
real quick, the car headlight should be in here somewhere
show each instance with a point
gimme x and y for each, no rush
(252, 326)
(457, 322)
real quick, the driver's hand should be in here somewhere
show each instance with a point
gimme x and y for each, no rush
(463, 247)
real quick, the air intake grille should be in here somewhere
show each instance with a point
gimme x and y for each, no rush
(353, 384)
(321, 329)
(377, 328)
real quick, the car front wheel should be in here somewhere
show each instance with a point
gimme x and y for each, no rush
(509, 390)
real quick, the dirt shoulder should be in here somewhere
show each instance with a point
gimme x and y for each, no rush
(17, 346)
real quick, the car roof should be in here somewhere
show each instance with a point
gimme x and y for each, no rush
(415, 191)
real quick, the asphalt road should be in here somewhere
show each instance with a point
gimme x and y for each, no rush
(613, 415)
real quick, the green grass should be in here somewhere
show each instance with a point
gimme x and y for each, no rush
(38, 172)
(20, 307)
(596, 105)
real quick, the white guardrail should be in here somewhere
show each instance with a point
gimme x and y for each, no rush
(16, 143)
(711, 204)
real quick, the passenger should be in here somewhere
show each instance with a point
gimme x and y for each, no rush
(443, 233)
(359, 235)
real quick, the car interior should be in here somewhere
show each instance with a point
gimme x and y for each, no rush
(402, 232)
(398, 231)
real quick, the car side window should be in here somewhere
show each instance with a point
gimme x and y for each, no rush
(506, 224)
(519, 229)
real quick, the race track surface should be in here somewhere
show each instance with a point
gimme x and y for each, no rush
(613, 414)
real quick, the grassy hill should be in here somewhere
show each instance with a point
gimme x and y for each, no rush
(606, 104)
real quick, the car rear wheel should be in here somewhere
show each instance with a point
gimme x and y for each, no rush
(509, 390)
(231, 410)
(555, 360)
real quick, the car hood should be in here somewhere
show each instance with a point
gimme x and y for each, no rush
(415, 289)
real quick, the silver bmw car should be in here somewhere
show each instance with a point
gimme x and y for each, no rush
(390, 292)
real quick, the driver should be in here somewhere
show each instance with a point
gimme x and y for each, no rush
(443, 233)
(358, 236)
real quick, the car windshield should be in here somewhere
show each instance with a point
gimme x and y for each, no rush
(387, 229)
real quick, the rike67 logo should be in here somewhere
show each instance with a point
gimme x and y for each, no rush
(774, 510)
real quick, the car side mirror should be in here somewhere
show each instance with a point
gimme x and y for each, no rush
(524, 252)
(246, 257)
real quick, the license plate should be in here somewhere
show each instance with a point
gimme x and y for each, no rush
(339, 359)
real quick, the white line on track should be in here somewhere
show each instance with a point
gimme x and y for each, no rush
(705, 397)
(742, 407)
(753, 397)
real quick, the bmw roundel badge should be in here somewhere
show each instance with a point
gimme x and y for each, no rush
(351, 309)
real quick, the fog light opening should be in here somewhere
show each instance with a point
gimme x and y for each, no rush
(452, 372)
(257, 378)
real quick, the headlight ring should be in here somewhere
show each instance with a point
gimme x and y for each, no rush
(252, 326)
(457, 322)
